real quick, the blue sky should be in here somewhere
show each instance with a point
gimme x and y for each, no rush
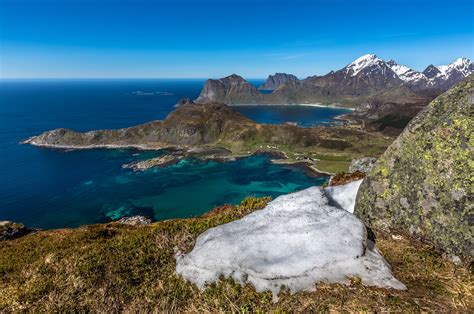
(209, 38)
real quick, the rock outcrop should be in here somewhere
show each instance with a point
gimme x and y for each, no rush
(135, 221)
(11, 230)
(422, 184)
(230, 90)
(278, 79)
(364, 164)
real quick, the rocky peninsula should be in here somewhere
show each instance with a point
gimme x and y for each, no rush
(216, 130)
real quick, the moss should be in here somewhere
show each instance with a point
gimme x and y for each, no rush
(429, 166)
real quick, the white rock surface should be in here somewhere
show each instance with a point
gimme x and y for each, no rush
(296, 241)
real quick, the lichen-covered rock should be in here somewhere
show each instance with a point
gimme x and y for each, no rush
(364, 164)
(423, 182)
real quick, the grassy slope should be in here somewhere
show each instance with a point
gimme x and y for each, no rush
(115, 267)
(332, 160)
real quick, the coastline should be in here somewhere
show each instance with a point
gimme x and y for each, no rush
(332, 106)
(204, 153)
(30, 141)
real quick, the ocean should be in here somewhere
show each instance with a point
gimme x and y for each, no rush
(48, 188)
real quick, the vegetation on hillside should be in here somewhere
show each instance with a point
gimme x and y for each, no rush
(114, 267)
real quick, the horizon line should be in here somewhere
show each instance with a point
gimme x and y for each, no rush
(119, 78)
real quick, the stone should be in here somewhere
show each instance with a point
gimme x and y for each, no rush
(364, 164)
(422, 184)
(135, 220)
(11, 230)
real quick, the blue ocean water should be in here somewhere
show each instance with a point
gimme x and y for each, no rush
(49, 188)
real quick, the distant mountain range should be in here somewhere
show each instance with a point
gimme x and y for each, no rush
(384, 93)
(368, 78)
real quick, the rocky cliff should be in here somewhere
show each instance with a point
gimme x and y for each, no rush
(274, 81)
(422, 184)
(230, 90)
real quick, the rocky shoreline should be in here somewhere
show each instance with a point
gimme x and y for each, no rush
(216, 132)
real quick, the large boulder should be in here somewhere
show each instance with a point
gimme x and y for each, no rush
(422, 184)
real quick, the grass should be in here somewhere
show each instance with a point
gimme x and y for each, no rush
(333, 166)
(331, 160)
(113, 267)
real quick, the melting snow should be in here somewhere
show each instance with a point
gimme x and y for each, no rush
(344, 195)
(296, 241)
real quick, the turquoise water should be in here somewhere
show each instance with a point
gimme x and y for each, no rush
(49, 188)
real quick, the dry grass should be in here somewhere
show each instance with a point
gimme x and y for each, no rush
(342, 178)
(114, 267)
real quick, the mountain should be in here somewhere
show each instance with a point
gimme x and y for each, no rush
(406, 74)
(451, 74)
(231, 89)
(366, 79)
(274, 81)
(439, 78)
(377, 88)
(431, 71)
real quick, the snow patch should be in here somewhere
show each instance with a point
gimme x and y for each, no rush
(296, 241)
(344, 195)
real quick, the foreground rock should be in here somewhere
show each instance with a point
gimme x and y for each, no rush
(296, 241)
(364, 164)
(422, 184)
(11, 230)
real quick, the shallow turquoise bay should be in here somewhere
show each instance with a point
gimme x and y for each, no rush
(48, 188)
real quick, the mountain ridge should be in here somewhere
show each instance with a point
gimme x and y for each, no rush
(364, 79)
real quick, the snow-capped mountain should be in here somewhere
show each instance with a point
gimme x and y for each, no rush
(405, 73)
(363, 76)
(368, 61)
(464, 66)
(431, 71)
(448, 75)
(440, 77)
(366, 79)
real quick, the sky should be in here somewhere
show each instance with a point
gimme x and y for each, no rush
(210, 38)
